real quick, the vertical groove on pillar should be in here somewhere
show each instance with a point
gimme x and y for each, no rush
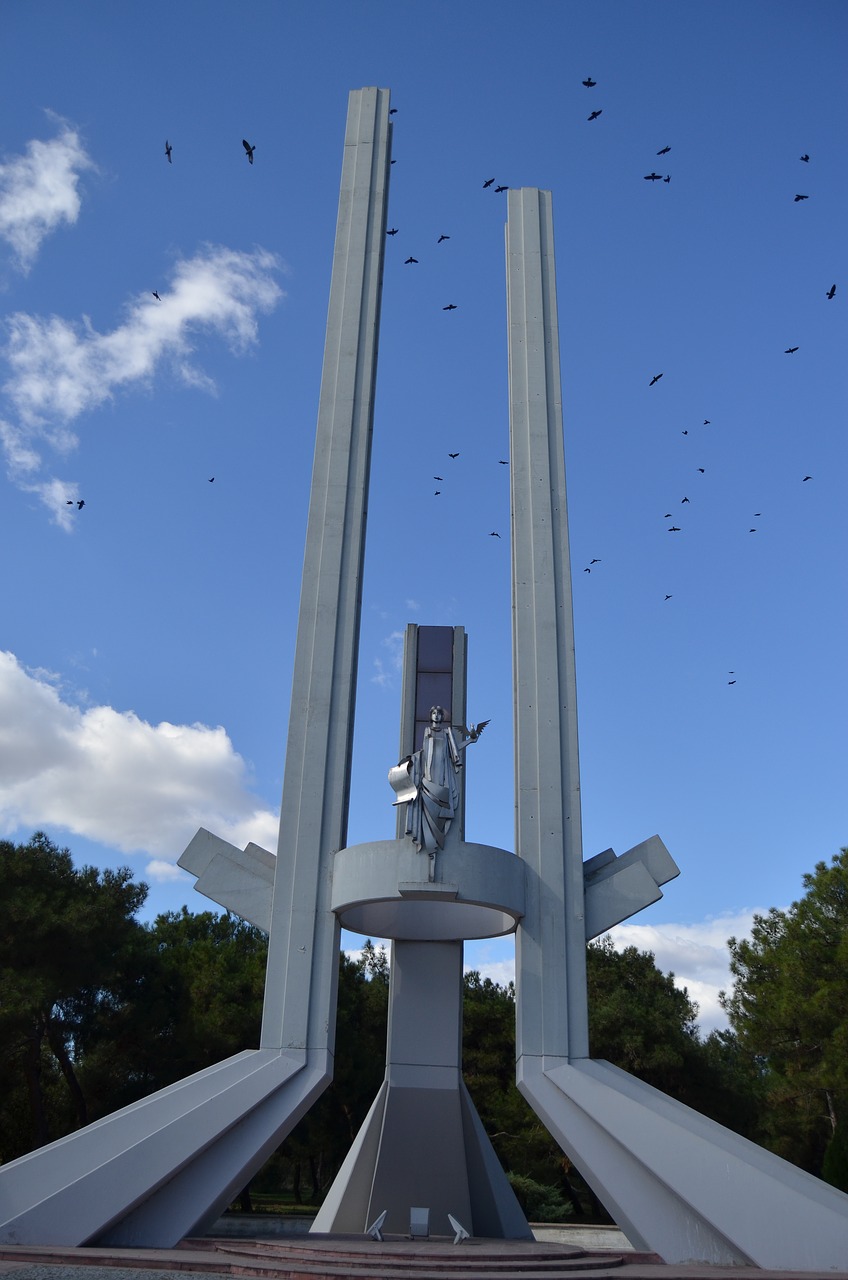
(550, 945)
(303, 952)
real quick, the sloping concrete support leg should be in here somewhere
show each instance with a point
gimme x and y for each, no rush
(155, 1171)
(678, 1183)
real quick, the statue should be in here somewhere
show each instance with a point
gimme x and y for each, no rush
(427, 781)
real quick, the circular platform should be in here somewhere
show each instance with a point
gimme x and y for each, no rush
(381, 889)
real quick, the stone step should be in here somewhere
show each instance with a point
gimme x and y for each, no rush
(400, 1258)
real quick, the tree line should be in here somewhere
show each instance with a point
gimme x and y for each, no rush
(98, 1009)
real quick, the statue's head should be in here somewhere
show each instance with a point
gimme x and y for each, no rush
(437, 714)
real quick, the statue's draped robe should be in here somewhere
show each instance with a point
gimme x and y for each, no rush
(434, 773)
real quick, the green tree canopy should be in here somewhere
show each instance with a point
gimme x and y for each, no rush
(789, 1010)
(71, 953)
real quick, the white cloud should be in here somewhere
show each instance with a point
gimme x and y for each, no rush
(60, 370)
(387, 669)
(111, 777)
(38, 191)
(696, 954)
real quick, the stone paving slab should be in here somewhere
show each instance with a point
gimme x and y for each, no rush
(425, 1260)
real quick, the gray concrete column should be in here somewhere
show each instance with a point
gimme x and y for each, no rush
(551, 940)
(304, 937)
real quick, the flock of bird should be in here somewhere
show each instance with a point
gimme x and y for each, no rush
(651, 177)
(411, 260)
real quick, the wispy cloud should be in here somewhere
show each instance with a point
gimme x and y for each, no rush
(111, 777)
(60, 370)
(696, 953)
(39, 191)
(389, 667)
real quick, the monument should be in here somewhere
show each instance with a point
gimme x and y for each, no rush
(168, 1165)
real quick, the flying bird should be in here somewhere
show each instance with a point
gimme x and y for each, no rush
(211, 479)
(453, 455)
(590, 83)
(668, 515)
(168, 150)
(438, 477)
(494, 535)
(683, 433)
(595, 114)
(706, 422)
(806, 478)
(731, 682)
(655, 378)
(502, 462)
(156, 296)
(499, 189)
(667, 178)
(587, 570)
(393, 232)
(595, 561)
(797, 198)
(248, 148)
(436, 493)
(392, 111)
(752, 530)
(653, 177)
(806, 159)
(488, 183)
(80, 504)
(664, 151)
(790, 350)
(408, 260)
(831, 291)
(441, 238)
(684, 499)
(701, 469)
(450, 307)
(668, 597)
(674, 529)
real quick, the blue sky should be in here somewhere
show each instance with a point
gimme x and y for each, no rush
(148, 637)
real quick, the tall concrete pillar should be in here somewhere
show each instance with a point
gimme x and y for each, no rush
(169, 1164)
(303, 954)
(677, 1183)
(551, 943)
